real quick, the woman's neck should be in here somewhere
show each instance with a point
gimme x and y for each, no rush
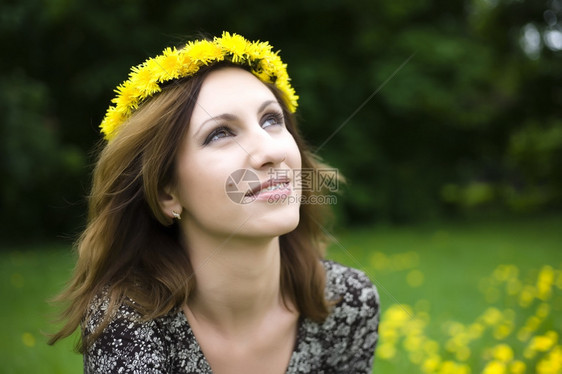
(237, 281)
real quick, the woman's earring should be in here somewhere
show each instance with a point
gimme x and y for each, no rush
(176, 215)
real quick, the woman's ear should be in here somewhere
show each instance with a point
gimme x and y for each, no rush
(170, 203)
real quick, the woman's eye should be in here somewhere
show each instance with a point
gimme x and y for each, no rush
(272, 119)
(217, 134)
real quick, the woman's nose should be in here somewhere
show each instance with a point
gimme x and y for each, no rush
(265, 150)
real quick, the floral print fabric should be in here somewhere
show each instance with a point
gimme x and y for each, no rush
(343, 343)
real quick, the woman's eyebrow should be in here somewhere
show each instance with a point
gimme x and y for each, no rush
(221, 117)
(265, 104)
(232, 117)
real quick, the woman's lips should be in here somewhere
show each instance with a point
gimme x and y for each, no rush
(273, 188)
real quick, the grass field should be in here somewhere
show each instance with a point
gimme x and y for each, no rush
(480, 297)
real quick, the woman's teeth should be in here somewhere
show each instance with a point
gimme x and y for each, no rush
(275, 187)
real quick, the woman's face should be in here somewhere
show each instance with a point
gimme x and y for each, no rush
(237, 164)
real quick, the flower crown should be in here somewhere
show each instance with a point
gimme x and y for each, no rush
(145, 79)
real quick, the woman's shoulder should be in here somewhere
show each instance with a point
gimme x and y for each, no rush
(349, 285)
(345, 341)
(128, 340)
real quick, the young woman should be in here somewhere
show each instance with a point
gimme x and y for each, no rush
(203, 253)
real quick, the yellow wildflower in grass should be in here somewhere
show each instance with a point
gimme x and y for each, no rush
(492, 316)
(503, 331)
(503, 353)
(545, 342)
(544, 282)
(398, 314)
(526, 296)
(451, 367)
(517, 367)
(459, 345)
(413, 342)
(540, 343)
(431, 364)
(551, 363)
(495, 367)
(386, 351)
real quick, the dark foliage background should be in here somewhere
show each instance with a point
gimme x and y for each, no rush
(464, 116)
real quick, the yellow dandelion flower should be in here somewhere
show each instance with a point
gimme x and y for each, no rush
(492, 316)
(413, 343)
(503, 353)
(234, 44)
(143, 81)
(545, 281)
(431, 364)
(495, 367)
(544, 342)
(526, 296)
(386, 351)
(551, 363)
(517, 367)
(204, 52)
(398, 313)
(259, 50)
(463, 369)
(127, 94)
(166, 66)
(112, 120)
(503, 331)
(447, 367)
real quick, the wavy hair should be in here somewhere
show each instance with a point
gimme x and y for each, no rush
(116, 251)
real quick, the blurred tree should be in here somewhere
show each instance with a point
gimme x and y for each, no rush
(463, 110)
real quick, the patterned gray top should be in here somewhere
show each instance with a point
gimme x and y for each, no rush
(344, 343)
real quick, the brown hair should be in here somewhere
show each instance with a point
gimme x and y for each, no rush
(116, 252)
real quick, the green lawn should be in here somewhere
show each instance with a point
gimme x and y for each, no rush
(450, 302)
